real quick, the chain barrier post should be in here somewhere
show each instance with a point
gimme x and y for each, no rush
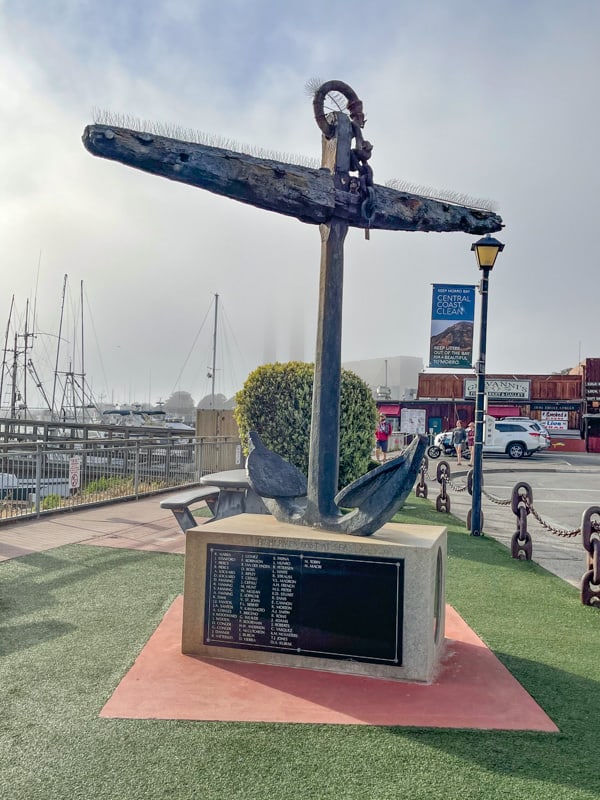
(442, 501)
(590, 534)
(421, 487)
(521, 544)
(470, 479)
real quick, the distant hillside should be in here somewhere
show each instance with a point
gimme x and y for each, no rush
(458, 335)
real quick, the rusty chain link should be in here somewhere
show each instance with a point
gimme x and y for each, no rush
(565, 533)
(521, 543)
(455, 487)
(521, 502)
(362, 184)
(523, 494)
(527, 498)
(497, 500)
(590, 583)
(421, 486)
(442, 501)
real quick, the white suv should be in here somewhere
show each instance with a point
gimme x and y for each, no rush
(516, 438)
(538, 426)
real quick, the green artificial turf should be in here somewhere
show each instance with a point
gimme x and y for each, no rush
(73, 619)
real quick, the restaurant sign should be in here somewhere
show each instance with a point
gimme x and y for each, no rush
(555, 406)
(499, 389)
(592, 380)
(555, 420)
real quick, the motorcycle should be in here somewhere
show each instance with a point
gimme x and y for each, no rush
(443, 444)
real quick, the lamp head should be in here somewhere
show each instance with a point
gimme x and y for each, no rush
(486, 250)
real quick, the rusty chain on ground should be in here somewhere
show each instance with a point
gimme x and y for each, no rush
(521, 502)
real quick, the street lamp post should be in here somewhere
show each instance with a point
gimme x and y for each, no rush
(486, 250)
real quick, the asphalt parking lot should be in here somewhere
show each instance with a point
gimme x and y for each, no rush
(563, 487)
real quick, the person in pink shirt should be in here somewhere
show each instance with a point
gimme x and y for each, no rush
(470, 436)
(382, 434)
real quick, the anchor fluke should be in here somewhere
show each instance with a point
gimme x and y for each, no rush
(381, 493)
(271, 475)
(374, 498)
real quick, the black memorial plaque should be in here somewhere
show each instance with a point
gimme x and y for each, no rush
(312, 604)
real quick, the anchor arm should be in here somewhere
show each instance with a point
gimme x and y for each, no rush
(309, 195)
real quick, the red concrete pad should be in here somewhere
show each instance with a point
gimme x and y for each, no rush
(474, 690)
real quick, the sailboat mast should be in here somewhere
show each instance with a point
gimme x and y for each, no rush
(82, 360)
(12, 303)
(13, 394)
(214, 355)
(26, 338)
(62, 310)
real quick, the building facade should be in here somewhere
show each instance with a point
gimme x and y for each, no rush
(567, 404)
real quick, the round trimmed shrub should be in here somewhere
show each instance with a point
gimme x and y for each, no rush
(276, 401)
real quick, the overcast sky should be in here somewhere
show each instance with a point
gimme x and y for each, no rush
(496, 100)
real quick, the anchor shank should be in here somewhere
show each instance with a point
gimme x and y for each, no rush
(323, 460)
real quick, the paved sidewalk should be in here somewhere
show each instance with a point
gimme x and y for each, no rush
(140, 524)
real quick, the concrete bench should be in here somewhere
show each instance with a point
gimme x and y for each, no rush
(226, 494)
(180, 504)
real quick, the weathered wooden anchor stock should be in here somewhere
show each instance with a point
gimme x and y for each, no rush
(335, 198)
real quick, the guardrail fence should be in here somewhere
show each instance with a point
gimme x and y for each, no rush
(42, 477)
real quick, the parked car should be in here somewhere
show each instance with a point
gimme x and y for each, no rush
(537, 425)
(514, 437)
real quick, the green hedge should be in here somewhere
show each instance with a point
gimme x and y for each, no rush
(276, 401)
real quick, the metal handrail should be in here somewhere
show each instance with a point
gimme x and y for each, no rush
(46, 477)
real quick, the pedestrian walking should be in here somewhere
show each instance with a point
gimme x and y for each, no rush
(459, 437)
(382, 434)
(470, 437)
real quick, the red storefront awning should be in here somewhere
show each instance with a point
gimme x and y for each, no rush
(390, 409)
(504, 411)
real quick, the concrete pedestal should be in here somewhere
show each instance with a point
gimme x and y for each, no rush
(257, 590)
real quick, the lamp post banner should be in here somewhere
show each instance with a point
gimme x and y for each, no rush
(452, 324)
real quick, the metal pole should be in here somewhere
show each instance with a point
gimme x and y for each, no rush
(214, 356)
(38, 478)
(136, 471)
(476, 516)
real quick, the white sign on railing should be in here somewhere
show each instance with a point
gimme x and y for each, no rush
(75, 472)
